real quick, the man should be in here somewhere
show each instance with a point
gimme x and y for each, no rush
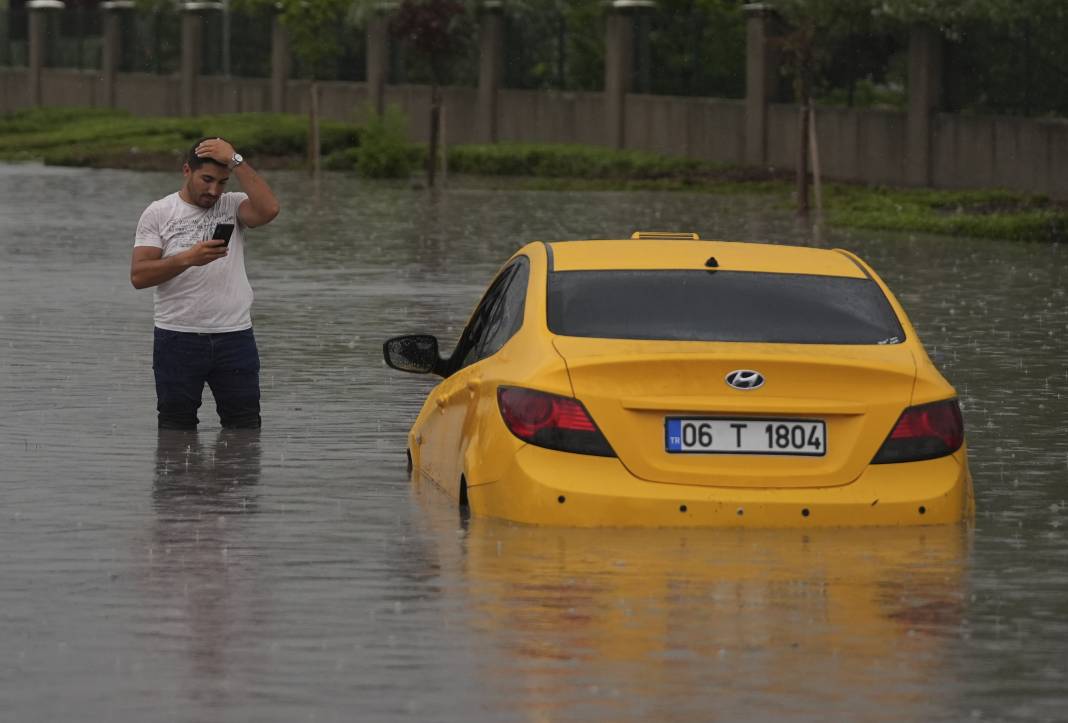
(202, 296)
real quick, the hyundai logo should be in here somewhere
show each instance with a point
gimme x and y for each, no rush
(745, 379)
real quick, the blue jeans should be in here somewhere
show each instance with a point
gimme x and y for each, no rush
(230, 364)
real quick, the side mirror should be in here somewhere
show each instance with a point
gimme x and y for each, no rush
(416, 353)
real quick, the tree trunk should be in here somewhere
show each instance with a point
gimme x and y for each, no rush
(443, 145)
(817, 183)
(802, 157)
(314, 145)
(435, 132)
(803, 42)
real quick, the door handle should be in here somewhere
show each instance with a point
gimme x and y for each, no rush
(473, 384)
(440, 401)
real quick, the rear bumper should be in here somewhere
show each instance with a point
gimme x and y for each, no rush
(556, 488)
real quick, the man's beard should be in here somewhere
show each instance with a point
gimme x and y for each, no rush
(203, 200)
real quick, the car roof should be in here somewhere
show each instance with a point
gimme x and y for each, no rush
(632, 254)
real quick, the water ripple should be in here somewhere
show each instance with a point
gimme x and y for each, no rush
(294, 574)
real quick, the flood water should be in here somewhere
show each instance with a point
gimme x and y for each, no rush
(295, 575)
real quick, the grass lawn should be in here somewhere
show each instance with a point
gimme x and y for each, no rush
(114, 139)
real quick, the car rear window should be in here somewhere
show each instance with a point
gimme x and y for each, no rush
(689, 305)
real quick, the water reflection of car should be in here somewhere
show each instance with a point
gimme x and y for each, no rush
(660, 624)
(666, 380)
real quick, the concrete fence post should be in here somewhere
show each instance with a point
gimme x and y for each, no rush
(192, 31)
(280, 64)
(618, 67)
(111, 52)
(378, 55)
(40, 27)
(761, 75)
(490, 68)
(925, 97)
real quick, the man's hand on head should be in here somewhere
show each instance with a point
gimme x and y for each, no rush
(216, 149)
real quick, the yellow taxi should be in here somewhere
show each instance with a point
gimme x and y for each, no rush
(665, 380)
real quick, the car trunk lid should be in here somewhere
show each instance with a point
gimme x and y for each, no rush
(631, 387)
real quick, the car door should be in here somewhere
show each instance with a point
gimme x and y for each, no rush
(463, 395)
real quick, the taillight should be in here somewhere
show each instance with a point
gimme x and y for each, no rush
(551, 421)
(924, 432)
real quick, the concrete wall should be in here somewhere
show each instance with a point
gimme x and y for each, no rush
(337, 101)
(459, 117)
(13, 91)
(68, 87)
(550, 117)
(147, 94)
(856, 145)
(703, 128)
(1016, 153)
(215, 94)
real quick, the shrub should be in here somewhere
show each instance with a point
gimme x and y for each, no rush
(35, 120)
(564, 161)
(335, 136)
(341, 160)
(88, 136)
(277, 134)
(384, 151)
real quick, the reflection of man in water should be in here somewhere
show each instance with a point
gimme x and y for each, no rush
(203, 299)
(192, 480)
(202, 587)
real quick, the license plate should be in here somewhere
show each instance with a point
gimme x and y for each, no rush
(704, 435)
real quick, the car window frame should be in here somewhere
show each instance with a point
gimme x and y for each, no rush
(475, 333)
(514, 292)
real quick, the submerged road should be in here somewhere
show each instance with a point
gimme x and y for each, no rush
(294, 574)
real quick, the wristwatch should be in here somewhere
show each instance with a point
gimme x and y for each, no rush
(236, 161)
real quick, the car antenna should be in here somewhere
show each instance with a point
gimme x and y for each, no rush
(712, 265)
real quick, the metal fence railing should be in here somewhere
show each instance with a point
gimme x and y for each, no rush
(349, 64)
(77, 39)
(457, 66)
(13, 33)
(248, 54)
(690, 48)
(1016, 68)
(153, 41)
(554, 45)
(680, 47)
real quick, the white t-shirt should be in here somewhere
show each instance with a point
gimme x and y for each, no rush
(212, 298)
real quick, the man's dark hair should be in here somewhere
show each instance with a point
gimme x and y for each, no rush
(196, 161)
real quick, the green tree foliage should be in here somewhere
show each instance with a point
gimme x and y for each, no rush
(821, 37)
(1019, 66)
(321, 32)
(813, 28)
(384, 151)
(844, 41)
(697, 47)
(951, 14)
(585, 43)
(554, 44)
(312, 26)
(313, 39)
(433, 29)
(1002, 56)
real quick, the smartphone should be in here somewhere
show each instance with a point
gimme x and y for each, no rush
(222, 232)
